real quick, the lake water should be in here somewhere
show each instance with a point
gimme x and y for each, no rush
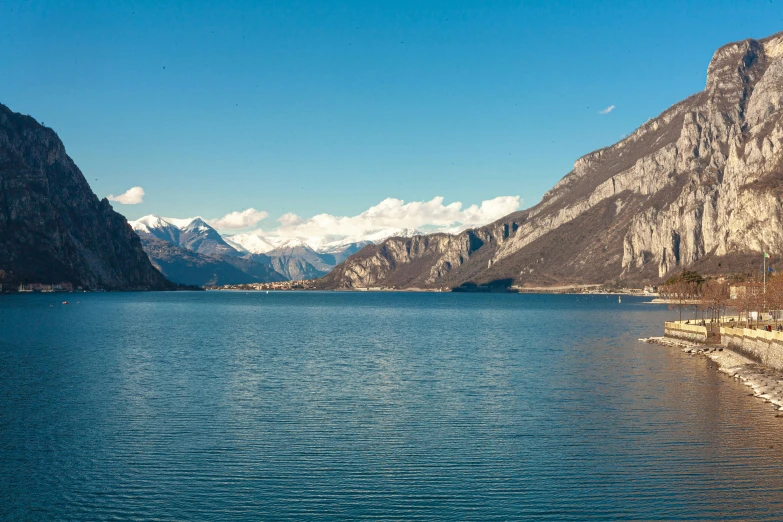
(217, 405)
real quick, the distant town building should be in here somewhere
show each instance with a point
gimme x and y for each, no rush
(738, 290)
(40, 287)
(302, 284)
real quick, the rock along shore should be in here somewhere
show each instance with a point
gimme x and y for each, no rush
(767, 383)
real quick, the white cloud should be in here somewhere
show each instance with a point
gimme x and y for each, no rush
(390, 216)
(236, 220)
(395, 213)
(607, 110)
(289, 219)
(132, 196)
(179, 222)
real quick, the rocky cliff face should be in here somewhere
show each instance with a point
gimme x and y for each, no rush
(700, 185)
(52, 227)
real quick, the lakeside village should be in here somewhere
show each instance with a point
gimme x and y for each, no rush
(310, 284)
(685, 290)
(738, 326)
(668, 291)
(300, 284)
(42, 287)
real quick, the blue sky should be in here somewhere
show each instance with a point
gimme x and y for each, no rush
(331, 107)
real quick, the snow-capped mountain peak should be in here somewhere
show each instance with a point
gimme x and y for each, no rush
(251, 243)
(148, 223)
(181, 223)
(156, 226)
(193, 234)
(288, 242)
(331, 244)
(257, 244)
(196, 225)
(287, 257)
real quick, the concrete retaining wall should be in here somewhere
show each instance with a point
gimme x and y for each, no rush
(687, 332)
(761, 346)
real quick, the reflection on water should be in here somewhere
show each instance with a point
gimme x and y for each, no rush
(329, 406)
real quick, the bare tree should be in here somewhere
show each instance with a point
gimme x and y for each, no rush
(675, 291)
(721, 297)
(774, 297)
(749, 299)
(714, 297)
(691, 290)
(683, 290)
(742, 302)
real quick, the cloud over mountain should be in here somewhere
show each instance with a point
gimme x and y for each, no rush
(132, 196)
(389, 217)
(237, 220)
(395, 213)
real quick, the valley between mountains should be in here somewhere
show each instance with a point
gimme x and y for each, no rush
(698, 187)
(190, 251)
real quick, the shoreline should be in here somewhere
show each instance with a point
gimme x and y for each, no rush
(767, 383)
(685, 302)
(536, 291)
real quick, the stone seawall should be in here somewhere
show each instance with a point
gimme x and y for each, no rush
(687, 332)
(759, 345)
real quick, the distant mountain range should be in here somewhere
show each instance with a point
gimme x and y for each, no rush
(700, 186)
(190, 251)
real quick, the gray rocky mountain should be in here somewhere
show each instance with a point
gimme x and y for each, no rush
(698, 186)
(53, 228)
(196, 254)
(191, 268)
(202, 238)
(299, 261)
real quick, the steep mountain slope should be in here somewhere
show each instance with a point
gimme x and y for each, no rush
(292, 258)
(157, 227)
(191, 268)
(52, 226)
(296, 260)
(700, 185)
(202, 238)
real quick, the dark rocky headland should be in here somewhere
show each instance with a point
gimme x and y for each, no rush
(53, 228)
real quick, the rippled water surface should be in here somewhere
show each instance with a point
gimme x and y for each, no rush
(208, 406)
